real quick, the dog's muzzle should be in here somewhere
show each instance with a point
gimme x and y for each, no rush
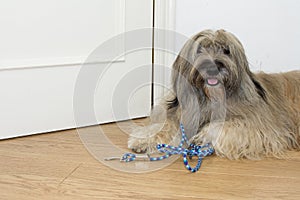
(212, 74)
(206, 73)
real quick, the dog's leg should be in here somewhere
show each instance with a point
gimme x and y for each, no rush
(145, 139)
(236, 139)
(229, 140)
(162, 129)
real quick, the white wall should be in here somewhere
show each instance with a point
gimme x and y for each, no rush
(268, 29)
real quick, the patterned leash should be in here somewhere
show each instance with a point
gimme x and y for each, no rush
(168, 150)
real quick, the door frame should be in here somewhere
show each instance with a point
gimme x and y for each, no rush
(164, 19)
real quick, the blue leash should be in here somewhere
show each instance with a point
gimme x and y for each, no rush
(168, 150)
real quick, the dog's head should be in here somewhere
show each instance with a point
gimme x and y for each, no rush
(211, 72)
(212, 59)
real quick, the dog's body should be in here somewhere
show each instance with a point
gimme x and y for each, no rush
(220, 101)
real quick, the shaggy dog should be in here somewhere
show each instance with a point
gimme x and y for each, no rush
(220, 101)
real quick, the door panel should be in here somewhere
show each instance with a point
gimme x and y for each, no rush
(43, 48)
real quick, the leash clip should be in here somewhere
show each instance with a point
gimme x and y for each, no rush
(128, 157)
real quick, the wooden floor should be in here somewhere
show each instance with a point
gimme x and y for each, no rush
(58, 166)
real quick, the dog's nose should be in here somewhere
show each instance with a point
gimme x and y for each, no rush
(212, 71)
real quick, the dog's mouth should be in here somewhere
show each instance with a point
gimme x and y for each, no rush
(212, 81)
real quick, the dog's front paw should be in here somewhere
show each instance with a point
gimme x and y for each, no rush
(145, 140)
(141, 145)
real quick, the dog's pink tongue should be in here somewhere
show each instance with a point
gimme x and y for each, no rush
(212, 81)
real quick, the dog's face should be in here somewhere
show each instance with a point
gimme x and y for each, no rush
(212, 60)
(211, 74)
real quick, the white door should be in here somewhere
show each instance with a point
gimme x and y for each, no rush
(60, 57)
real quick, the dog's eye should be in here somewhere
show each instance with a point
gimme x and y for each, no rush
(199, 49)
(220, 65)
(226, 51)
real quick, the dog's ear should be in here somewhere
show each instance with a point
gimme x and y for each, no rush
(259, 88)
(180, 79)
(186, 95)
(178, 64)
(186, 98)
